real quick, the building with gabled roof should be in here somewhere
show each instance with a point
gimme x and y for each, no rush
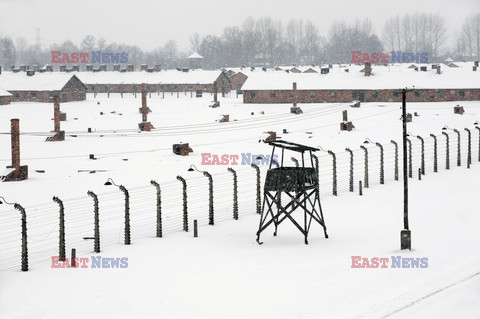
(41, 87)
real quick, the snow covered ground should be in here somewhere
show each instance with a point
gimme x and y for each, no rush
(224, 273)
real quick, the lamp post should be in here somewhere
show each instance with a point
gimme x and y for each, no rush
(382, 173)
(127, 209)
(210, 193)
(24, 232)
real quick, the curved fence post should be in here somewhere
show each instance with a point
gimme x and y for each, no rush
(422, 141)
(185, 207)
(24, 236)
(366, 184)
(469, 151)
(382, 172)
(334, 173)
(235, 193)
(350, 180)
(127, 214)
(478, 128)
(459, 151)
(159, 208)
(435, 156)
(96, 245)
(396, 159)
(294, 160)
(447, 153)
(211, 220)
(61, 248)
(258, 200)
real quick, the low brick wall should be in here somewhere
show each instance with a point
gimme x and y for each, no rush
(344, 96)
(5, 100)
(47, 96)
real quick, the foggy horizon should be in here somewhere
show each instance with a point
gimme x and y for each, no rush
(59, 22)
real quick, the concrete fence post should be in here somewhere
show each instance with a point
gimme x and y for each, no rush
(127, 214)
(469, 151)
(294, 160)
(96, 246)
(211, 220)
(382, 169)
(447, 153)
(334, 173)
(459, 151)
(395, 145)
(350, 181)
(235, 193)
(366, 166)
(422, 142)
(478, 128)
(258, 198)
(61, 252)
(24, 236)
(185, 207)
(435, 154)
(159, 209)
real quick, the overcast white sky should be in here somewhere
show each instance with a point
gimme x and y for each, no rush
(150, 23)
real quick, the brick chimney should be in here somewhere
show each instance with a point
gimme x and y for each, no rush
(49, 68)
(89, 68)
(116, 67)
(76, 68)
(145, 125)
(15, 133)
(368, 69)
(143, 67)
(23, 68)
(294, 94)
(63, 68)
(156, 68)
(130, 68)
(144, 103)
(56, 113)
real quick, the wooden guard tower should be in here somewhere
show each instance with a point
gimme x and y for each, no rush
(299, 185)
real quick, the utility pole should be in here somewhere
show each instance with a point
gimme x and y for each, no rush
(405, 235)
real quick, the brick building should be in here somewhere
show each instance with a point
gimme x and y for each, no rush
(41, 87)
(237, 80)
(382, 86)
(164, 81)
(5, 97)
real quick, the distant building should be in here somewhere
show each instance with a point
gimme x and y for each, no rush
(195, 61)
(5, 97)
(165, 81)
(41, 87)
(237, 80)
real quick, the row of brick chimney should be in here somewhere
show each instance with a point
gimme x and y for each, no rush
(88, 68)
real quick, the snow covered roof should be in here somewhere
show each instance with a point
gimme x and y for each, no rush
(54, 81)
(165, 77)
(390, 77)
(4, 92)
(195, 55)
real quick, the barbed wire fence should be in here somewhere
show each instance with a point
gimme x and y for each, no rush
(234, 196)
